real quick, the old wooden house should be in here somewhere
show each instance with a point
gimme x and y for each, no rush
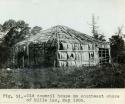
(60, 46)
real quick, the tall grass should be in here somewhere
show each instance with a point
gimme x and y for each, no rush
(105, 76)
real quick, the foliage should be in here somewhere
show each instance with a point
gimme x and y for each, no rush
(36, 30)
(106, 76)
(4, 54)
(117, 44)
(100, 37)
(16, 33)
(1, 27)
(7, 25)
(6, 79)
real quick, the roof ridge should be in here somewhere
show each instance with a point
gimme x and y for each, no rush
(45, 34)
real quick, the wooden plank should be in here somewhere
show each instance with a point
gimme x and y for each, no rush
(77, 51)
(75, 60)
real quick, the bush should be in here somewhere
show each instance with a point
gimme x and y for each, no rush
(7, 79)
(105, 76)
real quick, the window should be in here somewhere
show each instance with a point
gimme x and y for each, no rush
(103, 55)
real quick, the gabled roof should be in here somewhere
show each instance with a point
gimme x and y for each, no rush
(58, 31)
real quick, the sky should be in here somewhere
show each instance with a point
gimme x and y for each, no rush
(76, 14)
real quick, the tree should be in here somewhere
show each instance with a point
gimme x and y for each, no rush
(1, 27)
(36, 30)
(21, 24)
(7, 25)
(23, 30)
(95, 32)
(16, 33)
(117, 43)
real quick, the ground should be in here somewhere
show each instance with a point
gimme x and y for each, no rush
(104, 76)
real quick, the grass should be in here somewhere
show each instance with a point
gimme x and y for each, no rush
(105, 76)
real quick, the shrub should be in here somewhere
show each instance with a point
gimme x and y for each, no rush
(105, 76)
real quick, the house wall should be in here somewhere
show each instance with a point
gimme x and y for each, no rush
(34, 55)
(60, 54)
(76, 54)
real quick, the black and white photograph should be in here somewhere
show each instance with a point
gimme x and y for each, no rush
(60, 44)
